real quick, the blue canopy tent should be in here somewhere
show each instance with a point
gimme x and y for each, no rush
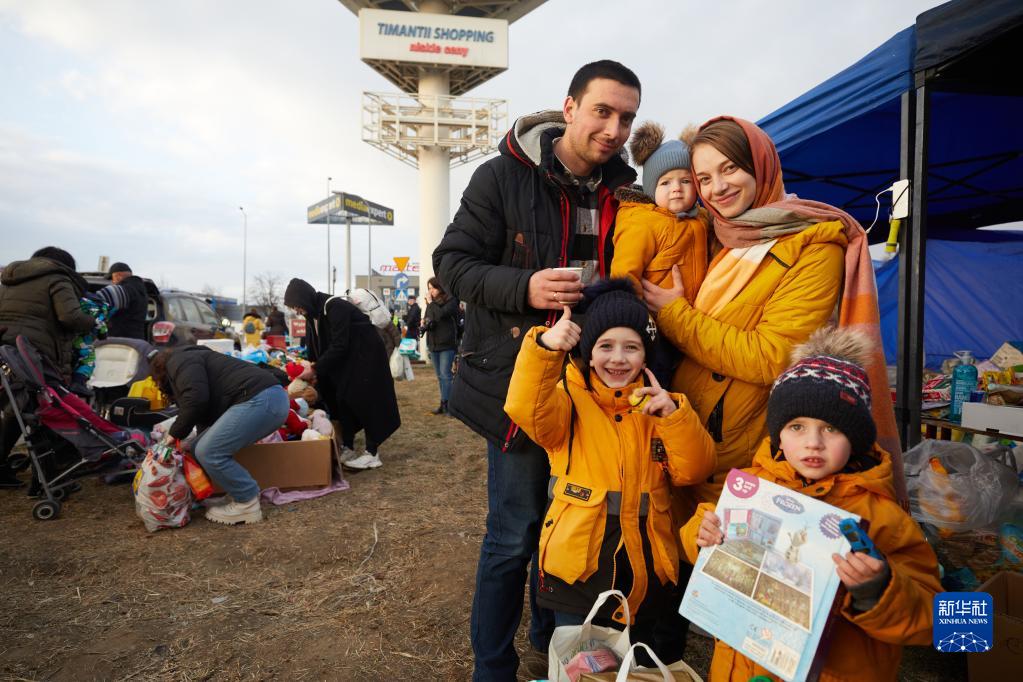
(972, 301)
(939, 104)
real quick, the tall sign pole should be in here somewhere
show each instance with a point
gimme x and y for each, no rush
(434, 55)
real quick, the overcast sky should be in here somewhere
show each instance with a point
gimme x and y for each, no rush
(136, 128)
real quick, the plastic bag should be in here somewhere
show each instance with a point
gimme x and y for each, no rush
(162, 496)
(956, 487)
(397, 366)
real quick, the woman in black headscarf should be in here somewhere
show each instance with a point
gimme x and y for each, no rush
(352, 371)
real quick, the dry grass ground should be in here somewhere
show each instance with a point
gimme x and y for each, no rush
(370, 584)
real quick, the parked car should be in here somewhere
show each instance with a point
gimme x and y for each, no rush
(175, 317)
(188, 318)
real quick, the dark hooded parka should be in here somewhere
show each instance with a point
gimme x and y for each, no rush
(352, 370)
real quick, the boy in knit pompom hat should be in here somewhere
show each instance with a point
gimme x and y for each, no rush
(661, 226)
(821, 443)
(614, 438)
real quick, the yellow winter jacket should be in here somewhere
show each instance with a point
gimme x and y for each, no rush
(617, 459)
(731, 361)
(256, 337)
(867, 645)
(649, 240)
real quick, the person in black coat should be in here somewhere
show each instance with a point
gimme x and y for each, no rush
(546, 201)
(351, 368)
(129, 321)
(276, 325)
(441, 326)
(233, 404)
(413, 320)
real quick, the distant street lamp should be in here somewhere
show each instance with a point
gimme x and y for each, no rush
(330, 284)
(245, 255)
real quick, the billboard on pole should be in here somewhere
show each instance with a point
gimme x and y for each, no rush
(422, 38)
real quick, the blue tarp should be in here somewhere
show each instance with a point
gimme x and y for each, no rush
(972, 301)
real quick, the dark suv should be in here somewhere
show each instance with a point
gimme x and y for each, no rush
(174, 317)
(188, 318)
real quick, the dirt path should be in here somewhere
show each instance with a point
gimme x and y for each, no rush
(370, 584)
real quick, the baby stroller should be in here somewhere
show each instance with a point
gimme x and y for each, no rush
(121, 362)
(58, 427)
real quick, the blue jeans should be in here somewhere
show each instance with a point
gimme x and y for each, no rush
(442, 360)
(242, 424)
(516, 503)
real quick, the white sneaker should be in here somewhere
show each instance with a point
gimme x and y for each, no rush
(344, 455)
(236, 512)
(364, 461)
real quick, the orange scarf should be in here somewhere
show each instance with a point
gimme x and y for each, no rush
(775, 214)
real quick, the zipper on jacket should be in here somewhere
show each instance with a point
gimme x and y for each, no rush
(513, 430)
(715, 422)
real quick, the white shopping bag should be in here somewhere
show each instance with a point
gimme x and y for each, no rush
(568, 640)
(676, 672)
(397, 365)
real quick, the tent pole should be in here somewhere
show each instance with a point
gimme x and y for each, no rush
(916, 261)
(906, 157)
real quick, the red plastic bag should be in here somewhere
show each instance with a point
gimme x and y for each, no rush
(197, 479)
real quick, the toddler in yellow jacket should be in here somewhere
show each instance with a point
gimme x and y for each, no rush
(614, 442)
(822, 444)
(661, 227)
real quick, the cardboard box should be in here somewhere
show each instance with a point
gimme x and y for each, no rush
(291, 464)
(1005, 659)
(1008, 354)
(993, 418)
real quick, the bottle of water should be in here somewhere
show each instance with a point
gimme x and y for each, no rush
(964, 382)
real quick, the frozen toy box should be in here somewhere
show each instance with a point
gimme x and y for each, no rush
(768, 589)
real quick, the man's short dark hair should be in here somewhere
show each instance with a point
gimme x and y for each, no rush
(55, 254)
(605, 68)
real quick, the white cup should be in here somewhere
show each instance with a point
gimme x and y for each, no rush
(578, 271)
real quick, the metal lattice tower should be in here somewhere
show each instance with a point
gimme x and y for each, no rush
(429, 125)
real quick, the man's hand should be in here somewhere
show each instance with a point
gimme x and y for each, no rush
(710, 530)
(660, 403)
(856, 568)
(564, 334)
(656, 297)
(551, 289)
(308, 374)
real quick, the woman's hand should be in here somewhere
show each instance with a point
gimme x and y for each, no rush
(710, 530)
(656, 297)
(563, 335)
(308, 374)
(660, 403)
(856, 568)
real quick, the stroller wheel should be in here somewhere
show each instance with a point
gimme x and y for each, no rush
(59, 494)
(45, 510)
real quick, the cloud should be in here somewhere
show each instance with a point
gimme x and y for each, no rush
(138, 128)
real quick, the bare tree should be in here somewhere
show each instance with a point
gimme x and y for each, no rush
(209, 291)
(266, 292)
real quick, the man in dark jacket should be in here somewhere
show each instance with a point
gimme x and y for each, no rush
(276, 325)
(41, 300)
(546, 201)
(129, 321)
(413, 320)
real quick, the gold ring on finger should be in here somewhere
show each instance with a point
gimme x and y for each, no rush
(555, 295)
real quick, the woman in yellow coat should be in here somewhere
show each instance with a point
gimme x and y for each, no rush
(609, 522)
(780, 267)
